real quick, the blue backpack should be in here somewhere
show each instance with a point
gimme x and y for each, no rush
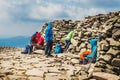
(58, 48)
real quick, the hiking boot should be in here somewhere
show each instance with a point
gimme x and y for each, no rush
(49, 56)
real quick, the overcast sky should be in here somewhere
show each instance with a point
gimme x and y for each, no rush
(24, 17)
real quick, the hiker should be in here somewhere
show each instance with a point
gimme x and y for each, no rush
(28, 48)
(68, 39)
(40, 42)
(93, 56)
(83, 59)
(33, 39)
(48, 39)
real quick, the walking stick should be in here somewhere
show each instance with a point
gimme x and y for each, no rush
(91, 61)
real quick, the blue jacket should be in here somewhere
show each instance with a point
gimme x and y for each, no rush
(93, 54)
(49, 32)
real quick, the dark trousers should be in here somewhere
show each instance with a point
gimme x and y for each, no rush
(48, 47)
(67, 44)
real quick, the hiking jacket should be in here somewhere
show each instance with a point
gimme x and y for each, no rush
(84, 54)
(33, 38)
(70, 35)
(40, 41)
(49, 33)
(93, 54)
(38, 35)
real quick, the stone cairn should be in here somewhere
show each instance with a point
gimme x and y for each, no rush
(108, 25)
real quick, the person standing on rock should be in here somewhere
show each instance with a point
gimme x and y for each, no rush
(68, 39)
(49, 39)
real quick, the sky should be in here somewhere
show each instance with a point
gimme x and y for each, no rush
(25, 17)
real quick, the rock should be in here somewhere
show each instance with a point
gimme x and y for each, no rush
(88, 34)
(104, 76)
(106, 58)
(74, 42)
(82, 45)
(35, 78)
(104, 46)
(75, 61)
(15, 77)
(39, 52)
(116, 35)
(35, 72)
(116, 62)
(113, 52)
(2, 75)
(98, 70)
(113, 42)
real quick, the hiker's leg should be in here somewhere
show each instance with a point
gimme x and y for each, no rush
(50, 47)
(80, 61)
(46, 48)
(67, 44)
(29, 49)
(39, 47)
(85, 61)
(33, 49)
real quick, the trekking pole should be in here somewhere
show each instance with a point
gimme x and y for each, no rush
(90, 62)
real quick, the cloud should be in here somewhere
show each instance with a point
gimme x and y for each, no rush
(79, 13)
(4, 7)
(20, 15)
(45, 12)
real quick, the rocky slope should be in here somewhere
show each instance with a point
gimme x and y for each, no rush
(107, 25)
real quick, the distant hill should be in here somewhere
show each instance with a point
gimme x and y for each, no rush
(18, 41)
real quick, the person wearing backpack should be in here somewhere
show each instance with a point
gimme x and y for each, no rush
(49, 39)
(68, 39)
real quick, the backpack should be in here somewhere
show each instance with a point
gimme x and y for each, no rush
(58, 48)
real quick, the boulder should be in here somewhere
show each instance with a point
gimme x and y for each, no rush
(113, 42)
(74, 42)
(35, 72)
(104, 76)
(75, 61)
(116, 62)
(113, 52)
(39, 52)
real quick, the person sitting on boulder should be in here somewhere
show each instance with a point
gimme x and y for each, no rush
(83, 59)
(40, 42)
(28, 48)
(68, 39)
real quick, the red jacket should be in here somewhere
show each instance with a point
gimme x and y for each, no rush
(40, 41)
(38, 35)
